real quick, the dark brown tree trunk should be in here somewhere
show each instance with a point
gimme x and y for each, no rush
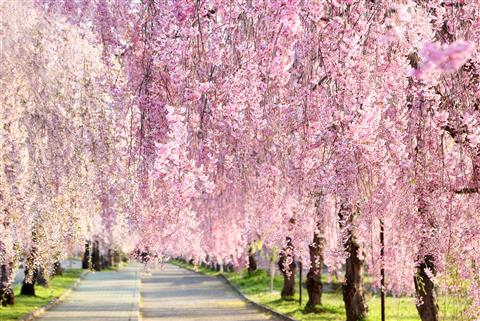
(353, 293)
(424, 287)
(96, 259)
(28, 285)
(86, 256)
(7, 297)
(425, 290)
(314, 275)
(109, 259)
(252, 263)
(287, 267)
(41, 279)
(30, 270)
(116, 258)
(57, 268)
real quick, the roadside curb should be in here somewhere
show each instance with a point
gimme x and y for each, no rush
(256, 304)
(38, 312)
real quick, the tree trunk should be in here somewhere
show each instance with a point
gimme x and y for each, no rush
(57, 268)
(96, 259)
(314, 275)
(287, 267)
(353, 294)
(425, 291)
(86, 256)
(30, 270)
(7, 297)
(252, 263)
(41, 279)
(353, 287)
(28, 285)
(109, 258)
(424, 287)
(116, 258)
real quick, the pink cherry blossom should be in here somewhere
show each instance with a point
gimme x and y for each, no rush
(446, 58)
(197, 129)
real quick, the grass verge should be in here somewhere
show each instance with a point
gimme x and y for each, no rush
(27, 304)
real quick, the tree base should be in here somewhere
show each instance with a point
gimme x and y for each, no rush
(57, 269)
(7, 297)
(252, 264)
(314, 289)
(425, 289)
(288, 298)
(28, 289)
(41, 279)
(312, 309)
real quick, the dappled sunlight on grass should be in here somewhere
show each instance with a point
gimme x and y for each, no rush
(27, 304)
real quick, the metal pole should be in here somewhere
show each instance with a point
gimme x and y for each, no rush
(382, 270)
(300, 281)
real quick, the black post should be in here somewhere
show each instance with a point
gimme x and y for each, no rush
(300, 280)
(382, 269)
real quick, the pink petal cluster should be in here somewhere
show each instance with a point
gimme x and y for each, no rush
(446, 58)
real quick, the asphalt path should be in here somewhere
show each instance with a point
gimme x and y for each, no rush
(101, 296)
(171, 293)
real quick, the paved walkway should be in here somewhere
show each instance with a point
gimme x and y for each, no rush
(101, 296)
(175, 294)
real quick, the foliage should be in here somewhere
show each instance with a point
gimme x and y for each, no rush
(200, 127)
(60, 141)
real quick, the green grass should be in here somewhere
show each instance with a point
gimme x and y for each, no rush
(256, 288)
(27, 304)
